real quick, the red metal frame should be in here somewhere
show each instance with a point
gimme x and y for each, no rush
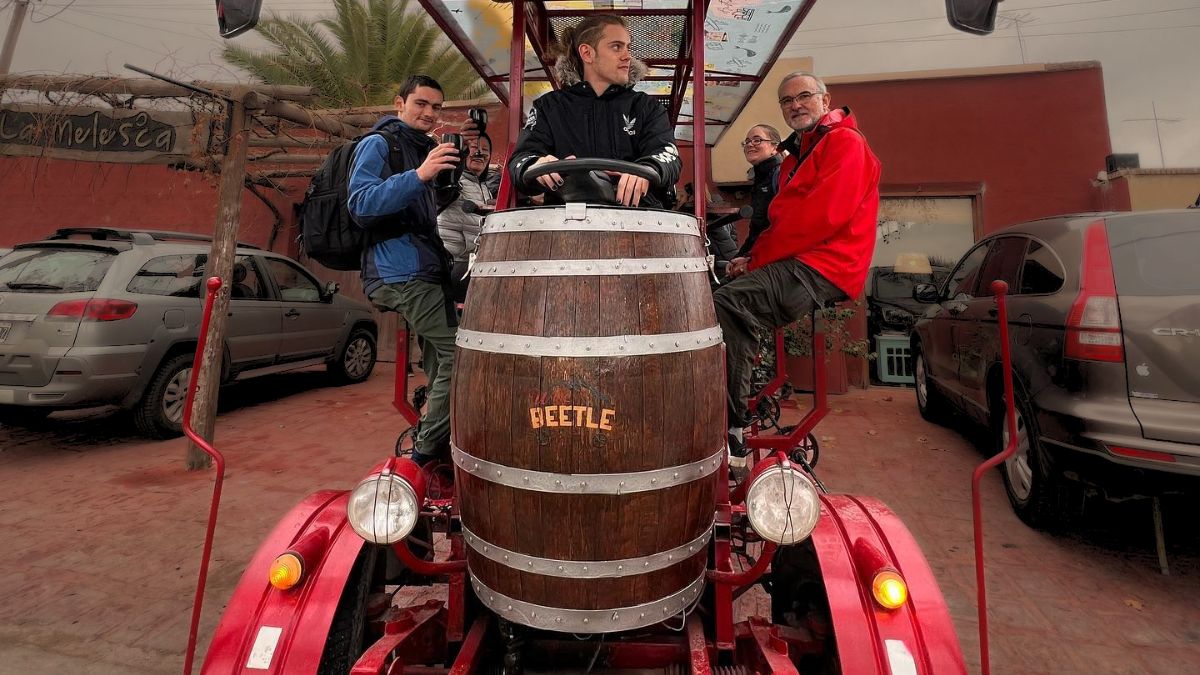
(411, 635)
(785, 442)
(1000, 291)
(400, 392)
(213, 285)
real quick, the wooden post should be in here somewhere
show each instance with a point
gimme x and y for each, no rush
(220, 264)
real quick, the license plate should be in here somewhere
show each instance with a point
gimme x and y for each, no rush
(4, 328)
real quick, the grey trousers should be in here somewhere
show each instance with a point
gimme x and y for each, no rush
(423, 305)
(758, 302)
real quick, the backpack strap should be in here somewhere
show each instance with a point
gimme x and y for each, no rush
(394, 158)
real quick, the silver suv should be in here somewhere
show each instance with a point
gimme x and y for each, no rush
(1105, 333)
(98, 316)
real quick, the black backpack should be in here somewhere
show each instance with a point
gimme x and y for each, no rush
(328, 234)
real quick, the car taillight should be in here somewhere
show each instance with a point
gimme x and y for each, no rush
(1094, 323)
(96, 309)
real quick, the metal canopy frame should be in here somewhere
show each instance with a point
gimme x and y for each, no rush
(739, 42)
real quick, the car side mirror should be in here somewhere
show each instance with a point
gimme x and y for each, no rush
(235, 17)
(926, 293)
(972, 16)
(330, 290)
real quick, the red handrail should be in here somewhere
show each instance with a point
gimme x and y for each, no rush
(213, 285)
(999, 290)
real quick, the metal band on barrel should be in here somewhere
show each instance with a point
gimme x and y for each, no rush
(586, 483)
(588, 620)
(524, 221)
(593, 267)
(587, 569)
(617, 345)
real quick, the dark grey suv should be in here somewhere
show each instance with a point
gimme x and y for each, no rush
(1105, 330)
(96, 316)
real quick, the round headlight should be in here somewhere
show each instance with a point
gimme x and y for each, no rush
(782, 505)
(383, 509)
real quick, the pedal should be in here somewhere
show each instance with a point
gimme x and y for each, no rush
(404, 449)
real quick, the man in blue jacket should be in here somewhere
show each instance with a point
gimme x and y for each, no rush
(405, 267)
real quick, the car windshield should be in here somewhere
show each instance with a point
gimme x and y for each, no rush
(892, 285)
(54, 270)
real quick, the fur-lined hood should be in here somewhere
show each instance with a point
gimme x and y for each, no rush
(565, 70)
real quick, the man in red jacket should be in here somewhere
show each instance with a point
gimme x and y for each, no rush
(819, 242)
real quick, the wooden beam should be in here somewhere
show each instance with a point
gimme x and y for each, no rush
(283, 158)
(293, 142)
(258, 176)
(140, 86)
(294, 113)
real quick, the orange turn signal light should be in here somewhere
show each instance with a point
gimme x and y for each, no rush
(286, 571)
(889, 589)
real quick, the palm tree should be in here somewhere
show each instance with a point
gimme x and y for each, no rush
(358, 56)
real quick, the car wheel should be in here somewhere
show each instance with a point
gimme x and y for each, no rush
(160, 412)
(930, 402)
(357, 359)
(1038, 495)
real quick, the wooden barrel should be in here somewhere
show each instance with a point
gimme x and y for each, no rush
(587, 417)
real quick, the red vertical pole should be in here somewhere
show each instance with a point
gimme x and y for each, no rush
(516, 89)
(699, 146)
(213, 286)
(1000, 291)
(723, 592)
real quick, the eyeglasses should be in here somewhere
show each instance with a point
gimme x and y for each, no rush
(802, 97)
(756, 142)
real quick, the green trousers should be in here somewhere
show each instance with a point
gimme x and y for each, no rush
(423, 305)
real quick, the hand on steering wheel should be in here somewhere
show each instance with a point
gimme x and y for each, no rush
(630, 188)
(633, 180)
(549, 181)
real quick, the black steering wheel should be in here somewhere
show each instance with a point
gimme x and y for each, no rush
(584, 179)
(570, 167)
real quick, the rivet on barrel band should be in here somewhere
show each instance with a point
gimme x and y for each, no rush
(591, 569)
(594, 267)
(580, 620)
(617, 345)
(589, 483)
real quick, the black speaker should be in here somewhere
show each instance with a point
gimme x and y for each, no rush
(1114, 163)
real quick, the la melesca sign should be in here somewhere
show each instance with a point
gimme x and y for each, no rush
(96, 134)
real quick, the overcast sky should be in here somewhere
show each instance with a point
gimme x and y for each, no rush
(1150, 49)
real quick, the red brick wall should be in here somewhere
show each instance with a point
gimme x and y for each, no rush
(1035, 141)
(41, 195)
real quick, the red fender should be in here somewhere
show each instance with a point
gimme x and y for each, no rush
(265, 630)
(919, 636)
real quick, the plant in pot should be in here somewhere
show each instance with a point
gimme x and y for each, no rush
(798, 344)
(856, 345)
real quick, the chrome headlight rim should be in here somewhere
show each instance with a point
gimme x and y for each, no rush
(790, 482)
(365, 528)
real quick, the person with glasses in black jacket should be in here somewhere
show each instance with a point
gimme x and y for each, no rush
(761, 148)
